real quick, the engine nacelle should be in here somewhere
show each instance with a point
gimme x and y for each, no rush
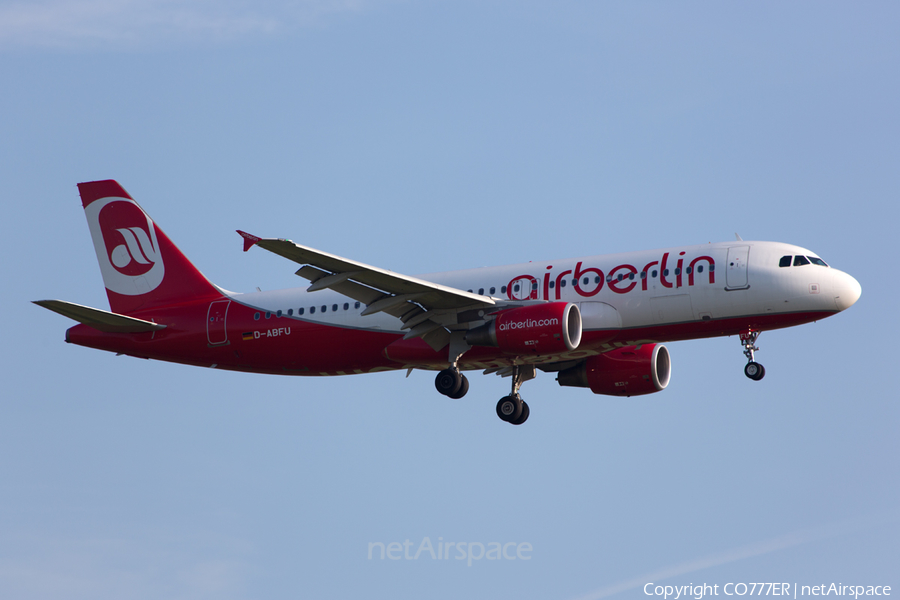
(629, 371)
(537, 329)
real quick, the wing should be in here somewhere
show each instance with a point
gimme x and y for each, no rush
(428, 310)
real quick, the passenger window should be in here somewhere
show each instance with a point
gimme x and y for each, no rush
(503, 289)
(712, 267)
(534, 285)
(300, 311)
(799, 261)
(619, 277)
(290, 312)
(552, 284)
(324, 308)
(666, 272)
(785, 261)
(597, 279)
(586, 280)
(493, 289)
(677, 271)
(516, 288)
(653, 273)
(699, 268)
(481, 291)
(334, 307)
(268, 315)
(278, 314)
(643, 274)
(312, 310)
(356, 305)
(631, 276)
(256, 316)
(562, 283)
(346, 306)
(688, 270)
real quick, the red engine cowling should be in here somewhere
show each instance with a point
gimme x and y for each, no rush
(629, 371)
(538, 329)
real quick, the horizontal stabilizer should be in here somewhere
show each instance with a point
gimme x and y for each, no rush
(101, 320)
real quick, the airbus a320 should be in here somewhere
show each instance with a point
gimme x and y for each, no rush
(597, 322)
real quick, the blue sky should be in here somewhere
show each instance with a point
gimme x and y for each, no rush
(424, 136)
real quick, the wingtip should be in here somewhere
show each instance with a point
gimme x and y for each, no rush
(249, 240)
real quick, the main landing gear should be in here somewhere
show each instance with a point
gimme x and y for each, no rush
(512, 408)
(451, 383)
(753, 370)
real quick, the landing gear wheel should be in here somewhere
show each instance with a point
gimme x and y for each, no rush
(510, 408)
(524, 416)
(755, 371)
(448, 382)
(463, 388)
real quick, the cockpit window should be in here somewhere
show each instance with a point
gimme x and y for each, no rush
(800, 260)
(817, 261)
(785, 261)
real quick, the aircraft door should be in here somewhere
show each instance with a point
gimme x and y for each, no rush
(523, 288)
(736, 269)
(215, 322)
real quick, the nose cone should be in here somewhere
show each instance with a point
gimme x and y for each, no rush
(846, 290)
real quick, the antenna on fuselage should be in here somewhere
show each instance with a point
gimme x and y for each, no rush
(738, 238)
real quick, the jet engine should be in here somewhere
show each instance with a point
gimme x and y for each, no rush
(629, 371)
(537, 329)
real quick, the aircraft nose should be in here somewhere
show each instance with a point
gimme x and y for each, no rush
(846, 290)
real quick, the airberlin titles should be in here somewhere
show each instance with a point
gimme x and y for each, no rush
(528, 323)
(620, 279)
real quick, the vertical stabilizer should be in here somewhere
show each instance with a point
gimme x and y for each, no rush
(141, 267)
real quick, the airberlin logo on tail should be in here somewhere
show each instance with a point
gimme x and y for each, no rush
(528, 324)
(126, 245)
(137, 248)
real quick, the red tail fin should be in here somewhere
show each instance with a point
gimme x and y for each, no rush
(141, 267)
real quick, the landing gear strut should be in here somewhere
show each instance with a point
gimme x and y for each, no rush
(512, 408)
(753, 369)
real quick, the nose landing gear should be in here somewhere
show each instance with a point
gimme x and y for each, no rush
(753, 369)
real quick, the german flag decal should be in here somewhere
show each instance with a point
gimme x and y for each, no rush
(247, 336)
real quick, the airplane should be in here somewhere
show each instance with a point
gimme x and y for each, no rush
(597, 322)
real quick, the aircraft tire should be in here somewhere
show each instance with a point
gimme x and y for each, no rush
(754, 371)
(509, 408)
(524, 416)
(448, 382)
(463, 388)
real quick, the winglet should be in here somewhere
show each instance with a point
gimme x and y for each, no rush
(249, 240)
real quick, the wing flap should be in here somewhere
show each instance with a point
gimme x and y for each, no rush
(101, 320)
